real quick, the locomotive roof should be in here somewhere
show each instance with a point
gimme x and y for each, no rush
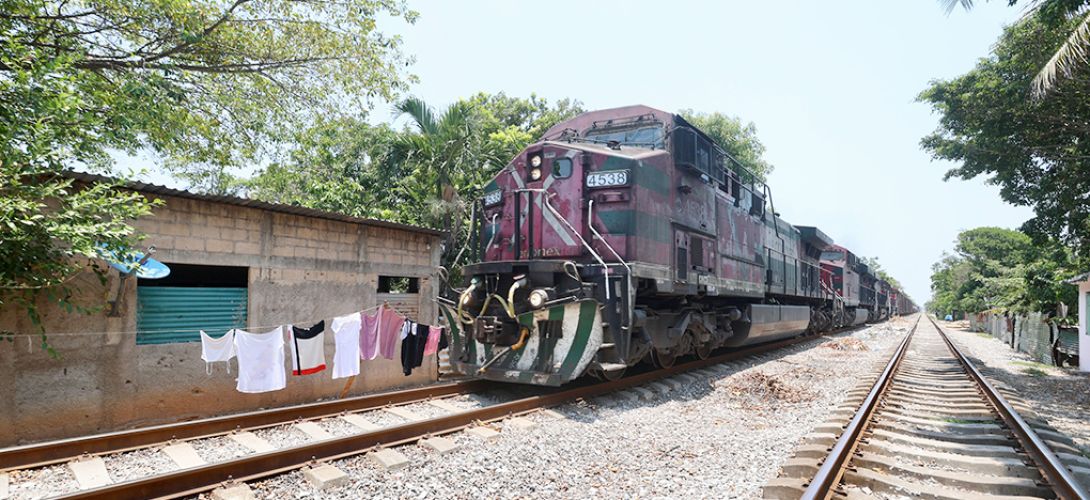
(625, 151)
(586, 120)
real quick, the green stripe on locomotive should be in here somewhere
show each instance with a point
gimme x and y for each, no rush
(555, 360)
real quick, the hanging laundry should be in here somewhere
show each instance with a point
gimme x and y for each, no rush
(215, 350)
(412, 347)
(346, 339)
(407, 328)
(432, 345)
(308, 349)
(260, 360)
(368, 335)
(389, 331)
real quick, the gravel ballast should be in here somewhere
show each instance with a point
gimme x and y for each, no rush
(1059, 395)
(723, 436)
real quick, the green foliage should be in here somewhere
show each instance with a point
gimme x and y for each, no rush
(209, 83)
(49, 229)
(423, 174)
(202, 83)
(1072, 17)
(1000, 269)
(736, 138)
(880, 272)
(1035, 150)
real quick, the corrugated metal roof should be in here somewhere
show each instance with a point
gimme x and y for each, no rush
(157, 189)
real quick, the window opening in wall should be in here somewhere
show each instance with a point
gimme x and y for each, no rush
(398, 284)
(193, 298)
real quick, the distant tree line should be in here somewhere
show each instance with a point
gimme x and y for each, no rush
(996, 269)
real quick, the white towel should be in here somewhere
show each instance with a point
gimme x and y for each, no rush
(346, 337)
(261, 360)
(214, 350)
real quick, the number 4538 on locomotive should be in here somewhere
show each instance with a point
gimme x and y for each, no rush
(627, 235)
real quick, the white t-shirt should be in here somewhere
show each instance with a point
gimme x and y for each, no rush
(261, 360)
(215, 350)
(346, 337)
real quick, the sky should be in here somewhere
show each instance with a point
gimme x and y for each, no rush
(831, 87)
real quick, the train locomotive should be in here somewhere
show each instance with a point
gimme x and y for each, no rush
(627, 235)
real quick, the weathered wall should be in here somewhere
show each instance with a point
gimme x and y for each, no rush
(300, 269)
(1028, 333)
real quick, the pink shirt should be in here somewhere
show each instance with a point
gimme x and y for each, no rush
(369, 336)
(389, 332)
(432, 346)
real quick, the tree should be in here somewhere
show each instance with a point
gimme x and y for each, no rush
(880, 272)
(1071, 16)
(421, 174)
(202, 83)
(996, 268)
(1034, 150)
(736, 138)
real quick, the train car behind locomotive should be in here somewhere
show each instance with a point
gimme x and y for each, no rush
(625, 235)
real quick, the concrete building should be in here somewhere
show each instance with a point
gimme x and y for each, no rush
(234, 263)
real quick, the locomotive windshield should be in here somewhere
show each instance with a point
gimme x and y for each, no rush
(646, 137)
(832, 255)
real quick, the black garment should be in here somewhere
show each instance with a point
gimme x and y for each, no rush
(308, 333)
(443, 338)
(412, 347)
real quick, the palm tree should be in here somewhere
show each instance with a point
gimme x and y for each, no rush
(1070, 55)
(442, 162)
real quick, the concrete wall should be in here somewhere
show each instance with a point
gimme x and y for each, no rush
(301, 269)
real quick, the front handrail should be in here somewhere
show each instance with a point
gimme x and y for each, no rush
(545, 201)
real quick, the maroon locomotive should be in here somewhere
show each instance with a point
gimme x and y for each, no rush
(626, 235)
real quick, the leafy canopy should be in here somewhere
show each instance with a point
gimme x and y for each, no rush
(1001, 269)
(203, 84)
(1035, 150)
(736, 138)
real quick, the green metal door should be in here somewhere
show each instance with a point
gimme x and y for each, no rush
(177, 314)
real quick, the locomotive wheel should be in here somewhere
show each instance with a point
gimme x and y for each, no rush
(663, 359)
(703, 351)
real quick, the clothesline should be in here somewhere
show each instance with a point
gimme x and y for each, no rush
(194, 330)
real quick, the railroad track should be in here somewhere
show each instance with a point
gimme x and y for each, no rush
(207, 476)
(932, 426)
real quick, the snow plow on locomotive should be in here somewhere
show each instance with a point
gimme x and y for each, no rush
(627, 235)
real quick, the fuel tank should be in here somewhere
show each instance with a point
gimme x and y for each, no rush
(769, 322)
(861, 316)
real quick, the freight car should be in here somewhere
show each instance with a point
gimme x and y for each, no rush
(628, 235)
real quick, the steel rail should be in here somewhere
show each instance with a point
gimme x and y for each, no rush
(203, 478)
(832, 469)
(1058, 476)
(51, 452)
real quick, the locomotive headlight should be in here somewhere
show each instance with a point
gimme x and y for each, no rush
(535, 161)
(538, 298)
(535, 174)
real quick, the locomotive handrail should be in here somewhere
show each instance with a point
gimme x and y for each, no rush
(597, 235)
(545, 201)
(628, 269)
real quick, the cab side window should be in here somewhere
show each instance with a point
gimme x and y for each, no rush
(562, 168)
